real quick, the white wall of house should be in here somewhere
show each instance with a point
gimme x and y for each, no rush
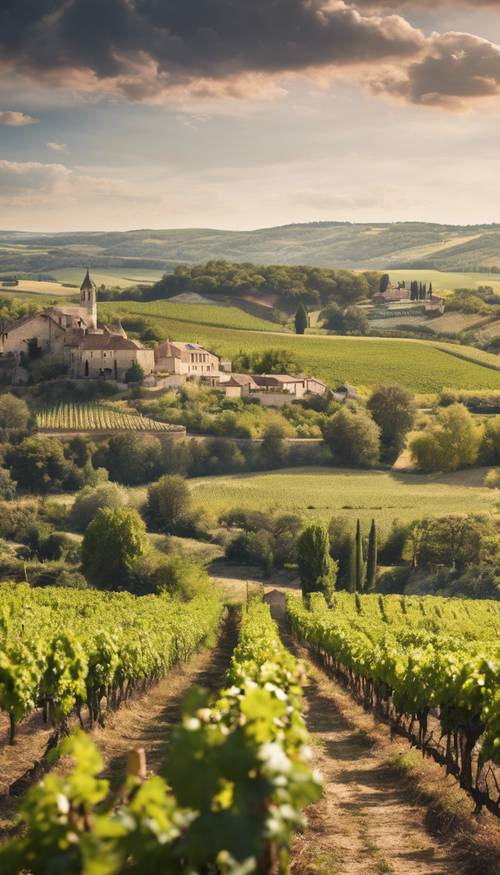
(48, 334)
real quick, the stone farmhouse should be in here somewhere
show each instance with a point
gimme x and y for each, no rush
(71, 333)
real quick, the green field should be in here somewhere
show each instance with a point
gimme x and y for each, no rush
(162, 313)
(446, 281)
(321, 493)
(420, 365)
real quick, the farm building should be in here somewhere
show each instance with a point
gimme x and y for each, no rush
(190, 359)
(272, 390)
(72, 334)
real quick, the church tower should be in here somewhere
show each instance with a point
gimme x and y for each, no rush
(88, 300)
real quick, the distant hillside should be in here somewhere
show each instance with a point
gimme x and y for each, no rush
(415, 245)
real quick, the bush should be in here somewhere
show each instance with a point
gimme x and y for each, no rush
(489, 451)
(353, 438)
(169, 503)
(7, 485)
(113, 541)
(91, 499)
(492, 479)
(14, 413)
(135, 373)
(38, 465)
(449, 443)
(252, 548)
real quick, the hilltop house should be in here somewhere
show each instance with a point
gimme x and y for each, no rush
(189, 359)
(71, 333)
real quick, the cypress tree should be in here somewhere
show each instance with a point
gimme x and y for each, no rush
(430, 290)
(301, 319)
(350, 579)
(317, 569)
(371, 564)
(384, 282)
(359, 558)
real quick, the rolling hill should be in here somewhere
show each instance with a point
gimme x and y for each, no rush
(416, 245)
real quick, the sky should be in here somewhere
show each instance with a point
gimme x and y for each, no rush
(240, 114)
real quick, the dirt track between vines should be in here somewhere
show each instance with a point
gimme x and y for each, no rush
(369, 822)
(148, 720)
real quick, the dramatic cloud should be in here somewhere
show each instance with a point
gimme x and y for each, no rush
(423, 4)
(148, 50)
(456, 69)
(148, 47)
(16, 119)
(57, 147)
(30, 183)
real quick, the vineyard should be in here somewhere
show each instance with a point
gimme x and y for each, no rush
(61, 649)
(237, 776)
(429, 665)
(239, 768)
(97, 417)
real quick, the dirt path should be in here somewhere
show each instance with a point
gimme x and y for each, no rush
(366, 823)
(148, 720)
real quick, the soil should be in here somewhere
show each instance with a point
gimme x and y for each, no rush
(370, 819)
(147, 721)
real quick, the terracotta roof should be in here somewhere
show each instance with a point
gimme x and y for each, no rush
(270, 379)
(108, 341)
(240, 380)
(24, 319)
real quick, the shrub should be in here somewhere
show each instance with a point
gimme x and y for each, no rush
(252, 548)
(451, 442)
(89, 500)
(169, 503)
(114, 539)
(492, 479)
(353, 438)
(14, 413)
(7, 485)
(38, 464)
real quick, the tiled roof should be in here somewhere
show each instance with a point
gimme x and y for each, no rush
(108, 341)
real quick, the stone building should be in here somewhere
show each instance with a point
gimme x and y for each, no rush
(72, 333)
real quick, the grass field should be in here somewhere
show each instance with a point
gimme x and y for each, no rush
(320, 493)
(36, 287)
(446, 281)
(120, 279)
(419, 365)
(161, 313)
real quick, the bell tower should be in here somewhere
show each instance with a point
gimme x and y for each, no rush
(88, 300)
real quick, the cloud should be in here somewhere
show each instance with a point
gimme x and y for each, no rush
(57, 147)
(148, 49)
(457, 68)
(154, 50)
(383, 5)
(31, 183)
(16, 119)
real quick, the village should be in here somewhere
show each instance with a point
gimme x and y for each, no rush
(72, 335)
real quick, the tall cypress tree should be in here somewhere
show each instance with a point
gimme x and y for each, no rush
(371, 562)
(350, 579)
(430, 290)
(301, 319)
(359, 558)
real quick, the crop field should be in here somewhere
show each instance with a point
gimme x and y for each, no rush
(419, 365)
(162, 313)
(447, 281)
(119, 278)
(320, 493)
(36, 287)
(96, 417)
